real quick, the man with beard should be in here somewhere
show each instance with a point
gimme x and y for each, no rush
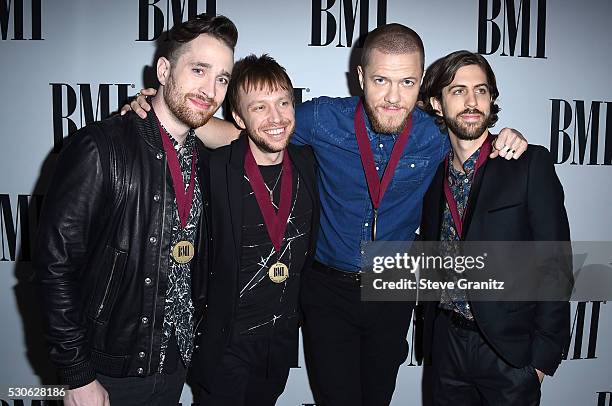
(265, 214)
(354, 349)
(492, 353)
(119, 230)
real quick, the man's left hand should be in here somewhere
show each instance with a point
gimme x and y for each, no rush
(508, 144)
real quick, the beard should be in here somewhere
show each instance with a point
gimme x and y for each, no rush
(265, 146)
(380, 126)
(177, 104)
(468, 131)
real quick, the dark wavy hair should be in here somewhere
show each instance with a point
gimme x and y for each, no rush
(219, 27)
(442, 72)
(256, 73)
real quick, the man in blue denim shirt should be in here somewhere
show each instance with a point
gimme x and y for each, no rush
(354, 348)
(326, 124)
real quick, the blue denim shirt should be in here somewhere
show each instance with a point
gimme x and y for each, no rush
(326, 124)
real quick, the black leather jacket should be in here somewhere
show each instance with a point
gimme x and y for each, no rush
(103, 251)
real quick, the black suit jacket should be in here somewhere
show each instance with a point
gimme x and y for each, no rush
(225, 172)
(516, 200)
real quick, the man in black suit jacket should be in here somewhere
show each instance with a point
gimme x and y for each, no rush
(494, 353)
(264, 214)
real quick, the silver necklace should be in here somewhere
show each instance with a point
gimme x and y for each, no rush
(271, 191)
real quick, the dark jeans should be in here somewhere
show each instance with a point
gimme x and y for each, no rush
(155, 390)
(353, 349)
(467, 371)
(244, 377)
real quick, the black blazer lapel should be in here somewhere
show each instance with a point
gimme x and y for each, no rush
(433, 209)
(481, 176)
(305, 167)
(235, 174)
(303, 160)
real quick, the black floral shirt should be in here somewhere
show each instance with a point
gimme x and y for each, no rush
(460, 184)
(178, 310)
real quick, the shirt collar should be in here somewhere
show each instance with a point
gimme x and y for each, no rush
(187, 145)
(468, 165)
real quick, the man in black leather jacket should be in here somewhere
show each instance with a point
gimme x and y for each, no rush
(117, 258)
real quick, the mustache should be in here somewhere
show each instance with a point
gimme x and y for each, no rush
(471, 111)
(283, 123)
(394, 105)
(202, 98)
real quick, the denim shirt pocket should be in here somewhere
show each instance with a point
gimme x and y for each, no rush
(409, 173)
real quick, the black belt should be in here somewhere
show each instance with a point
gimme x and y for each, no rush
(457, 320)
(337, 273)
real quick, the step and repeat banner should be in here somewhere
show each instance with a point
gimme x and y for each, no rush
(66, 63)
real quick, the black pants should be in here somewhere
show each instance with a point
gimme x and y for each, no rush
(467, 371)
(244, 378)
(160, 389)
(353, 349)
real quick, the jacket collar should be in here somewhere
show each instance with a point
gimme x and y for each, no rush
(149, 130)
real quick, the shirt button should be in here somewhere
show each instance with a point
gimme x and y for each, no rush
(145, 320)
(141, 354)
(153, 240)
(199, 333)
(466, 180)
(380, 145)
(159, 155)
(148, 281)
(412, 165)
(140, 371)
(196, 347)
(156, 197)
(377, 168)
(362, 252)
(367, 224)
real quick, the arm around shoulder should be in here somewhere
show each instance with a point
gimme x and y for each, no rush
(217, 133)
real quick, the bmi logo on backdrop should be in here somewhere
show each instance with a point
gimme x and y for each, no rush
(26, 20)
(576, 138)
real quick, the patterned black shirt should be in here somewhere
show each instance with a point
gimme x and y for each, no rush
(263, 305)
(178, 310)
(460, 184)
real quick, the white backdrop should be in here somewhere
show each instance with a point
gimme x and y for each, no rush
(553, 73)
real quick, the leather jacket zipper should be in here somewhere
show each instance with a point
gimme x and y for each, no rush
(108, 284)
